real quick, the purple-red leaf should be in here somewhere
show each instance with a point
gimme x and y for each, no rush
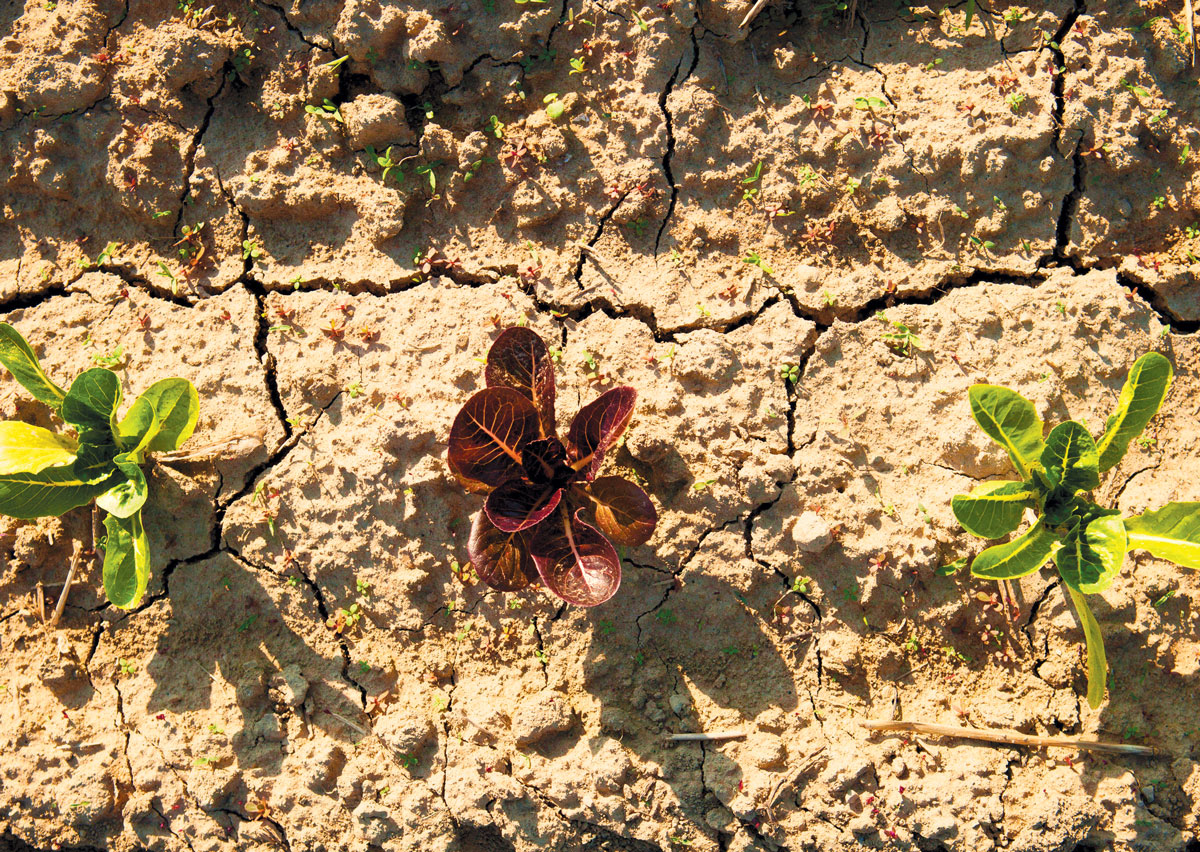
(487, 437)
(597, 427)
(519, 504)
(545, 461)
(519, 360)
(623, 511)
(574, 560)
(501, 559)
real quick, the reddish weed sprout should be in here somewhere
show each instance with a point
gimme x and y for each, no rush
(547, 515)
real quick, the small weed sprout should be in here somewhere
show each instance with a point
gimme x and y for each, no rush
(251, 250)
(899, 337)
(750, 184)
(328, 110)
(1087, 542)
(554, 107)
(753, 258)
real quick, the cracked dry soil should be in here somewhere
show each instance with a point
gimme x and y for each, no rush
(1020, 194)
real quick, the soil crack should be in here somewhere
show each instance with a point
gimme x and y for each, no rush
(670, 129)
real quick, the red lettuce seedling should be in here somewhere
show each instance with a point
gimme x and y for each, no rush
(547, 514)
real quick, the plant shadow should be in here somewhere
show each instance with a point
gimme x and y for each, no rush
(280, 669)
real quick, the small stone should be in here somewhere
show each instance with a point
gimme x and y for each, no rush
(810, 533)
(541, 715)
(270, 729)
(768, 752)
(1148, 795)
(609, 765)
(719, 818)
(405, 734)
(289, 686)
(377, 120)
(773, 719)
(373, 823)
(899, 767)
(679, 703)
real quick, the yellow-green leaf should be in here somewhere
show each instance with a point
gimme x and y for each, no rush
(1011, 421)
(18, 357)
(1097, 663)
(91, 403)
(126, 560)
(992, 509)
(52, 491)
(1171, 533)
(28, 449)
(1023, 555)
(1091, 557)
(1069, 457)
(1143, 394)
(127, 497)
(175, 406)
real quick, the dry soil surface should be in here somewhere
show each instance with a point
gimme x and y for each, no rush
(716, 218)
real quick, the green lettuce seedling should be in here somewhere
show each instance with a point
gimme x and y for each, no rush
(48, 473)
(1087, 542)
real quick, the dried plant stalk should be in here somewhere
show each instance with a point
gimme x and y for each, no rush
(1000, 735)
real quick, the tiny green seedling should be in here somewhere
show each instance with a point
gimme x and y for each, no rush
(900, 337)
(44, 473)
(750, 184)
(384, 161)
(870, 104)
(1087, 542)
(327, 110)
(554, 107)
(754, 259)
(1139, 92)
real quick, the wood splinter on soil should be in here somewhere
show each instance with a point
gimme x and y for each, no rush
(1000, 735)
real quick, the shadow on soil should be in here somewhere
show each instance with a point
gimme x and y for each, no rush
(249, 614)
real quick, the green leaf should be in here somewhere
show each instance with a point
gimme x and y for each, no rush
(1070, 457)
(1097, 664)
(52, 491)
(1092, 554)
(1145, 389)
(127, 497)
(18, 357)
(952, 568)
(126, 560)
(1011, 421)
(138, 428)
(94, 460)
(28, 449)
(993, 509)
(1023, 555)
(91, 403)
(1171, 533)
(176, 406)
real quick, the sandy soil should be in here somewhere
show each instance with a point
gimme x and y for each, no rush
(1023, 195)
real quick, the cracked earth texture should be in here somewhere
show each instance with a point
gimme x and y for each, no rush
(1022, 195)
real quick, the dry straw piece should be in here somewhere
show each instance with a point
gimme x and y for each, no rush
(706, 738)
(1000, 735)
